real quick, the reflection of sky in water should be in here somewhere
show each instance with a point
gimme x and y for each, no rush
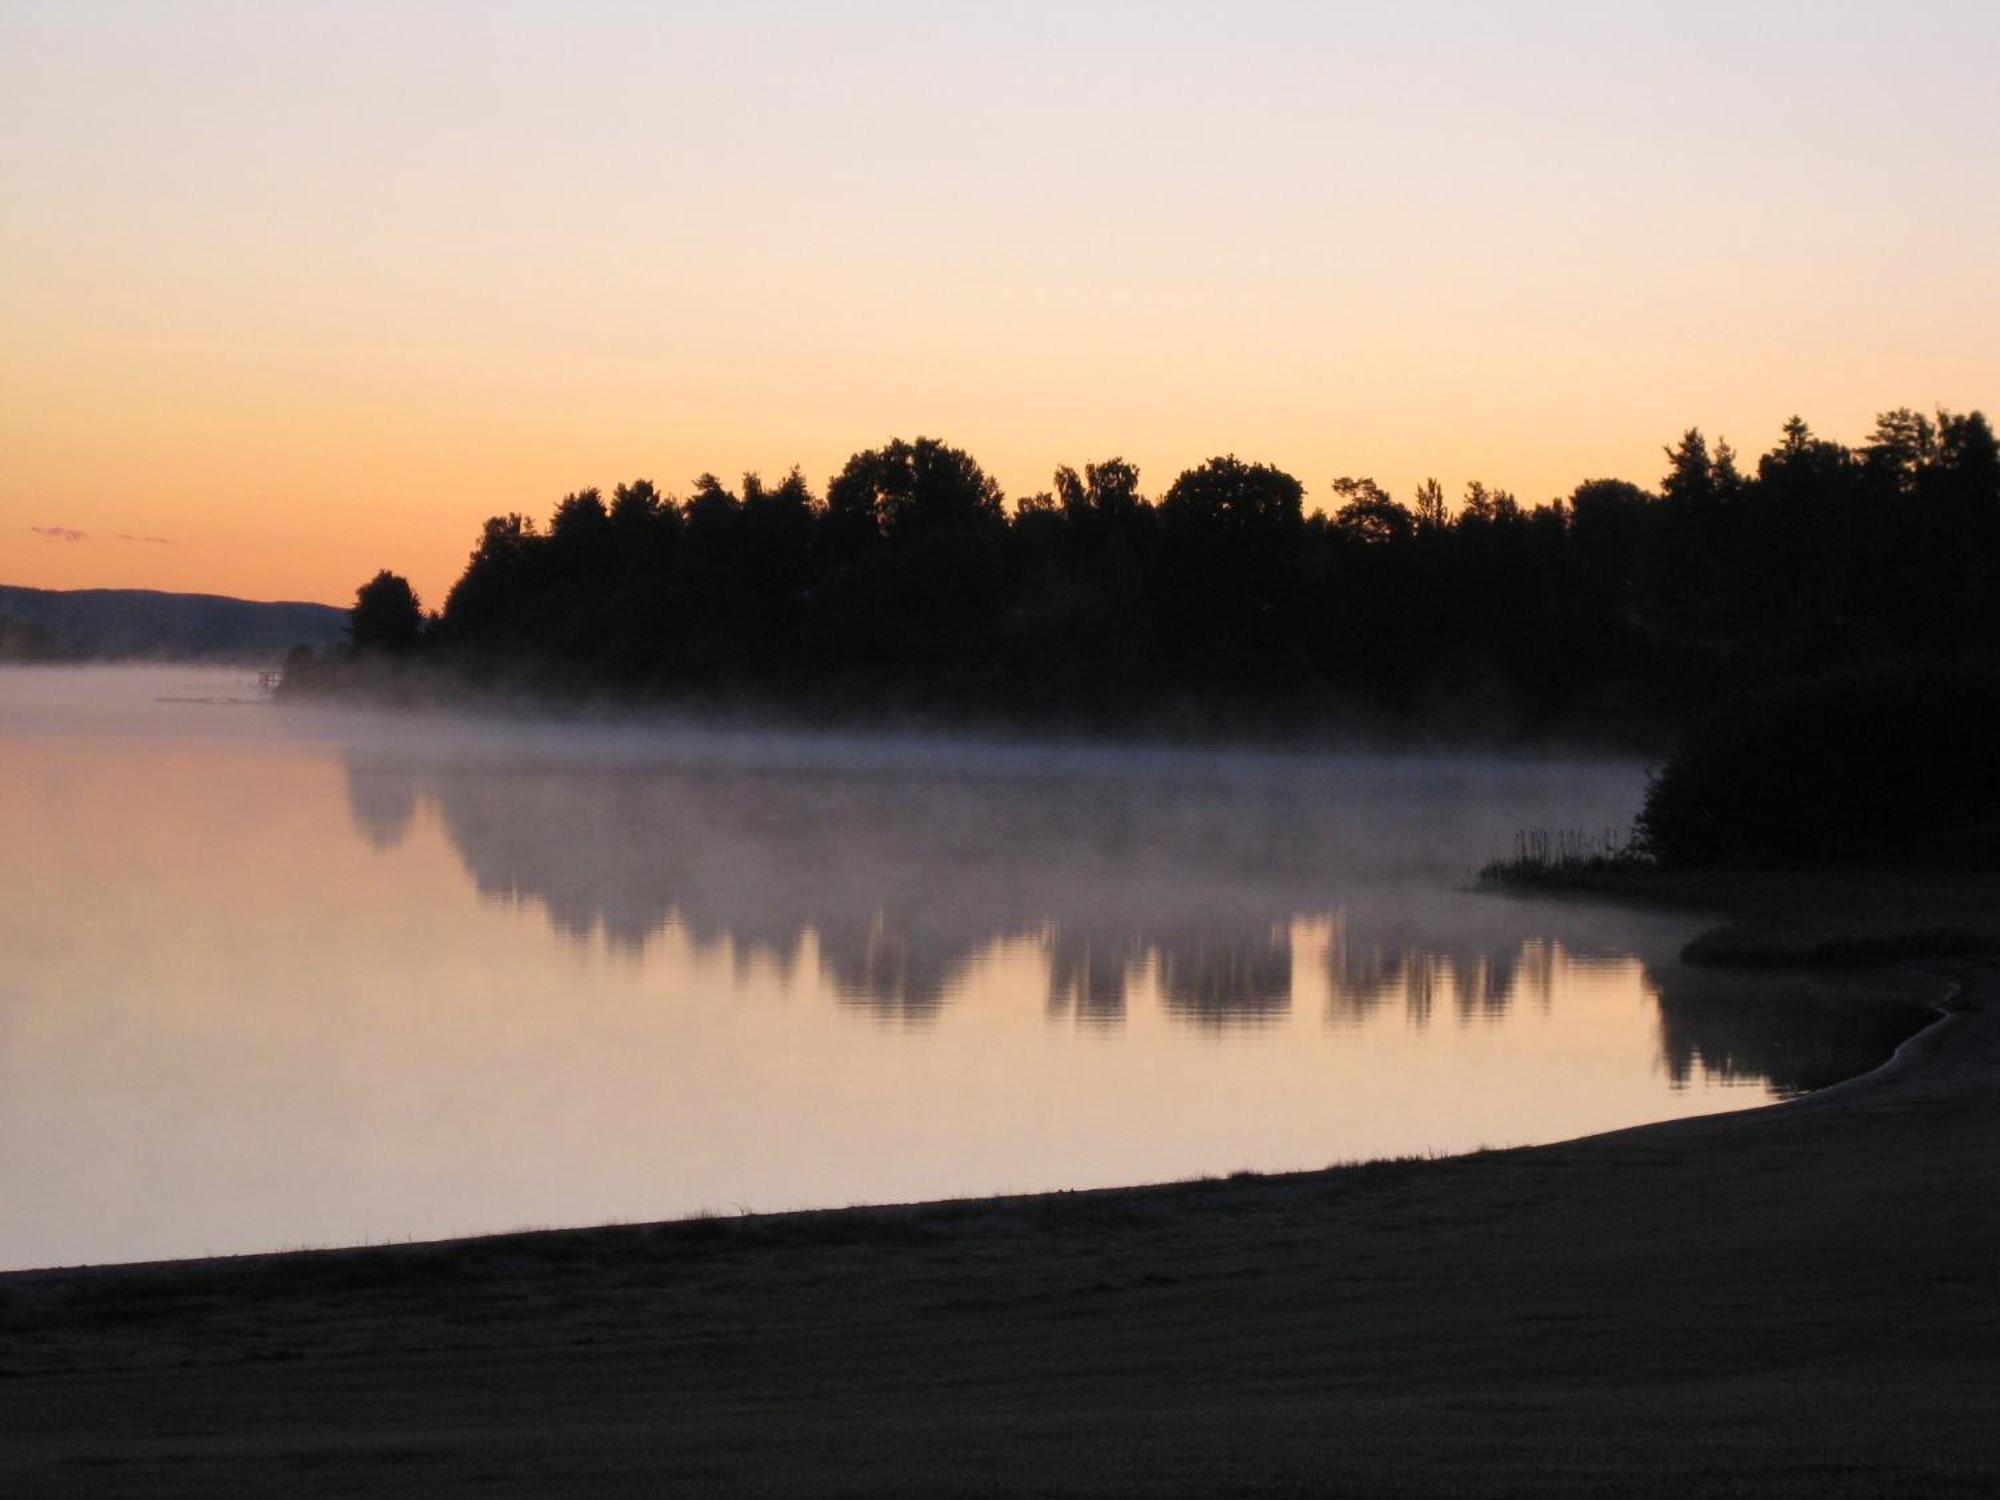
(279, 979)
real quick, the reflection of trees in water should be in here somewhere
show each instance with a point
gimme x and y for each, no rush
(886, 971)
(904, 884)
(1368, 974)
(902, 887)
(1088, 977)
(383, 801)
(1795, 1033)
(1225, 983)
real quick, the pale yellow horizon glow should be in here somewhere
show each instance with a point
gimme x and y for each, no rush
(314, 292)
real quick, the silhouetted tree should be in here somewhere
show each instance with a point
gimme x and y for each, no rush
(636, 506)
(1429, 508)
(580, 518)
(1106, 493)
(1234, 570)
(904, 490)
(1690, 481)
(1367, 514)
(485, 605)
(1227, 497)
(386, 614)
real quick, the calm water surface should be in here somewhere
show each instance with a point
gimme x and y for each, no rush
(279, 977)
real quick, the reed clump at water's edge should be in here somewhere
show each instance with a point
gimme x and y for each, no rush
(1554, 856)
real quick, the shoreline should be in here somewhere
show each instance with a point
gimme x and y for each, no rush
(1797, 1298)
(1902, 1071)
(1886, 1074)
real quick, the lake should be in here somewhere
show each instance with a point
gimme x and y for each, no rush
(280, 977)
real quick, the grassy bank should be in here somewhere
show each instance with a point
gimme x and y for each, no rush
(1797, 1301)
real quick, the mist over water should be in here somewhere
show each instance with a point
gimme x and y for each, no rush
(284, 977)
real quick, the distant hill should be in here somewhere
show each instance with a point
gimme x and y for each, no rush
(123, 624)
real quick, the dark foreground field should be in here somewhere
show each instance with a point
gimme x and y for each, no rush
(1797, 1301)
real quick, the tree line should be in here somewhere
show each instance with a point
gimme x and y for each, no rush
(910, 583)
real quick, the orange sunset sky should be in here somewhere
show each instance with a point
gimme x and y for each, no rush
(291, 292)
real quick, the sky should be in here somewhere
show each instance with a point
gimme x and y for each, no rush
(289, 293)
